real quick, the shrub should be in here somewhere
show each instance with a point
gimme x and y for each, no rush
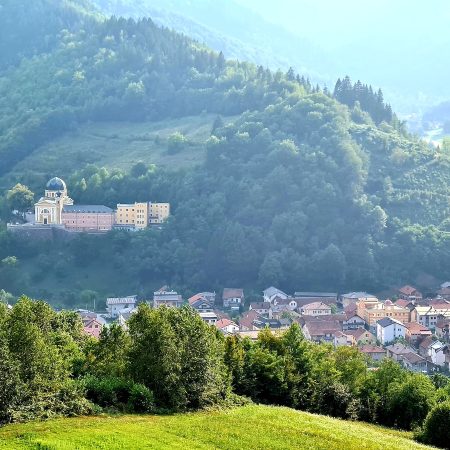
(120, 394)
(176, 142)
(436, 428)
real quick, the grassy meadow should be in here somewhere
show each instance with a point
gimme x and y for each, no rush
(119, 145)
(250, 427)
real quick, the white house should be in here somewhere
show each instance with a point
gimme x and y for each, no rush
(440, 353)
(270, 293)
(116, 305)
(233, 298)
(227, 326)
(389, 329)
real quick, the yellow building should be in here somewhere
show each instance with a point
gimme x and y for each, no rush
(371, 312)
(132, 214)
(159, 212)
(48, 210)
(140, 215)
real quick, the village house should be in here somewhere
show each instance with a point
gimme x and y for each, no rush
(396, 351)
(429, 315)
(201, 303)
(409, 293)
(375, 352)
(233, 298)
(315, 309)
(352, 320)
(92, 327)
(373, 311)
(362, 336)
(270, 293)
(414, 362)
(115, 305)
(425, 346)
(343, 339)
(227, 326)
(440, 354)
(320, 329)
(210, 317)
(352, 298)
(166, 297)
(281, 305)
(262, 308)
(246, 321)
(416, 332)
(389, 329)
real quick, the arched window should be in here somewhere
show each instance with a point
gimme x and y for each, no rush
(45, 211)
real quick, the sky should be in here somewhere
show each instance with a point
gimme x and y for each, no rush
(331, 23)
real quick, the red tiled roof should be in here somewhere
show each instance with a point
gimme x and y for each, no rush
(232, 292)
(222, 323)
(417, 328)
(194, 298)
(407, 290)
(247, 318)
(371, 349)
(357, 333)
(402, 302)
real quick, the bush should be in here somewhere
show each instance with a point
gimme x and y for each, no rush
(116, 393)
(176, 142)
(436, 428)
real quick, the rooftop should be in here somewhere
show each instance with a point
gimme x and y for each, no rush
(121, 300)
(87, 209)
(386, 321)
(232, 292)
(316, 305)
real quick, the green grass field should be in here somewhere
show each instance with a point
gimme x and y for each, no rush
(251, 427)
(119, 145)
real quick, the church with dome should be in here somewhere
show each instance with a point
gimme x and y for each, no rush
(49, 209)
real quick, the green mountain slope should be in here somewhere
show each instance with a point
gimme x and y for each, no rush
(238, 31)
(291, 188)
(256, 427)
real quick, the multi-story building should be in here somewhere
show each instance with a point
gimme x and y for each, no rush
(132, 215)
(429, 315)
(141, 215)
(119, 305)
(158, 213)
(372, 312)
(88, 218)
(166, 297)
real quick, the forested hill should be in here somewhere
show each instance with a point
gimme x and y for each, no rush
(304, 189)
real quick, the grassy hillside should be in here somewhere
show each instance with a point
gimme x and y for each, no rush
(256, 427)
(117, 145)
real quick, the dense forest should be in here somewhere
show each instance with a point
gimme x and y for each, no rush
(306, 189)
(169, 360)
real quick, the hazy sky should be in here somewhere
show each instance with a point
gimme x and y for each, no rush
(346, 20)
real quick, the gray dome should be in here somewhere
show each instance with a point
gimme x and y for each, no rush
(56, 184)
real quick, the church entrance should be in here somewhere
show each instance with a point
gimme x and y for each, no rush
(46, 221)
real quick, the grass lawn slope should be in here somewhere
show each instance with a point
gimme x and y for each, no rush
(251, 427)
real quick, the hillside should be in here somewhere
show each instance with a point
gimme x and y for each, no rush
(256, 427)
(103, 143)
(292, 185)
